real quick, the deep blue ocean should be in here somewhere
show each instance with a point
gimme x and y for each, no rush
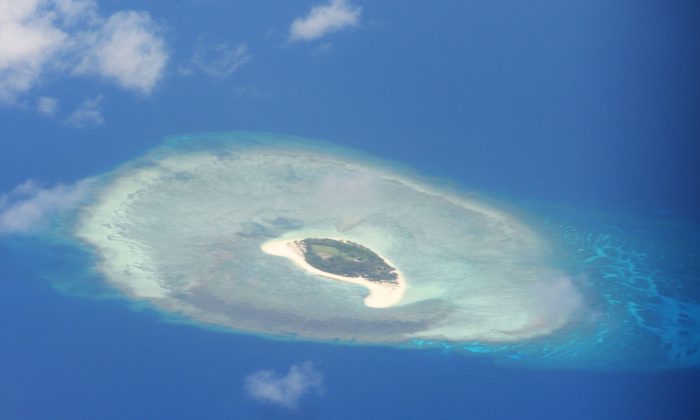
(580, 117)
(74, 358)
(70, 354)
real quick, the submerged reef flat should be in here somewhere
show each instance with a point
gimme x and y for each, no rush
(300, 239)
(184, 227)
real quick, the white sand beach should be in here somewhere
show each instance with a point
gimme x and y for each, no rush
(381, 294)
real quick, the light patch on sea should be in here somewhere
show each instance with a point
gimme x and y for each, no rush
(180, 230)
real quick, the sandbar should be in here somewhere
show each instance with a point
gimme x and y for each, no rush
(381, 294)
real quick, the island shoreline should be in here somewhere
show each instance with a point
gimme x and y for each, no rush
(382, 294)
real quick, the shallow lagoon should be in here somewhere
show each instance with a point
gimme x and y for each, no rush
(182, 228)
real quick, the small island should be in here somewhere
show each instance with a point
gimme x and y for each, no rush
(347, 261)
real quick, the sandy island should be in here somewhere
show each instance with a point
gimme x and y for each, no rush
(382, 294)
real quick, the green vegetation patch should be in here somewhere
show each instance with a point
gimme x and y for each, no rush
(345, 258)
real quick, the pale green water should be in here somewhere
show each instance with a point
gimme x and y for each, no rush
(181, 228)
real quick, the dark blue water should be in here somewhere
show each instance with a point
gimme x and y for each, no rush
(77, 351)
(590, 107)
(74, 358)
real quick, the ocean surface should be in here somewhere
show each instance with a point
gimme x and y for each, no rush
(71, 357)
(78, 352)
(581, 118)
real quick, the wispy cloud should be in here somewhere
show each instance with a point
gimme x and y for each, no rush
(62, 37)
(324, 19)
(341, 188)
(285, 391)
(555, 299)
(217, 60)
(30, 205)
(47, 105)
(89, 112)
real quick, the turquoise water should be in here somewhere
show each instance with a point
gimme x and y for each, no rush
(636, 277)
(579, 118)
(639, 277)
(81, 348)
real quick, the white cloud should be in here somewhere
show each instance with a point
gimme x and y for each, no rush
(58, 37)
(128, 49)
(28, 40)
(219, 60)
(324, 19)
(47, 105)
(285, 391)
(28, 205)
(89, 112)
